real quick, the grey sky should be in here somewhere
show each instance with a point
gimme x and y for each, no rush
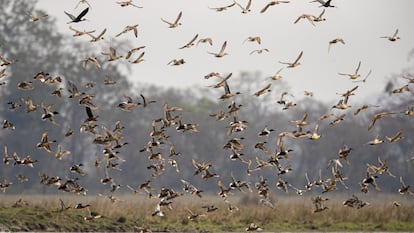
(359, 23)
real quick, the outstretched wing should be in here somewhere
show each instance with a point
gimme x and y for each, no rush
(72, 17)
(83, 13)
(178, 17)
(223, 47)
(89, 112)
(300, 55)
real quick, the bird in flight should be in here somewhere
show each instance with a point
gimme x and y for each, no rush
(35, 18)
(78, 18)
(176, 23)
(355, 75)
(222, 8)
(190, 43)
(324, 4)
(306, 16)
(80, 33)
(221, 53)
(295, 63)
(246, 9)
(128, 3)
(253, 39)
(392, 38)
(272, 3)
(96, 38)
(259, 51)
(129, 28)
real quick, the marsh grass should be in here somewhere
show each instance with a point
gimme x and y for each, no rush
(133, 213)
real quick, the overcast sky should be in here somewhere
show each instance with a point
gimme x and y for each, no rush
(359, 23)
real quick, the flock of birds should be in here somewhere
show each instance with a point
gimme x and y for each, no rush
(111, 138)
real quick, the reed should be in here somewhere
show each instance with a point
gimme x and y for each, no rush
(133, 212)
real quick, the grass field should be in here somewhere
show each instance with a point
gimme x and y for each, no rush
(133, 213)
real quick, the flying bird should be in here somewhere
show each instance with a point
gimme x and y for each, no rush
(253, 39)
(222, 8)
(96, 38)
(78, 18)
(264, 90)
(272, 3)
(112, 56)
(295, 63)
(145, 102)
(355, 75)
(128, 28)
(324, 4)
(306, 16)
(392, 38)
(35, 18)
(128, 3)
(205, 40)
(176, 23)
(45, 143)
(335, 41)
(132, 51)
(259, 51)
(377, 117)
(221, 53)
(190, 43)
(139, 59)
(80, 33)
(246, 9)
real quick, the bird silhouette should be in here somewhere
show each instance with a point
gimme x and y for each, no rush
(79, 18)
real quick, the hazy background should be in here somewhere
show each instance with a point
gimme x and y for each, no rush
(359, 23)
(48, 46)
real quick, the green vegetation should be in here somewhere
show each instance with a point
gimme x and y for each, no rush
(134, 214)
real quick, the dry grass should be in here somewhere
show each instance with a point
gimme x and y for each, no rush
(134, 212)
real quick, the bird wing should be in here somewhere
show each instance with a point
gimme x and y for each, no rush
(143, 99)
(72, 17)
(139, 57)
(226, 88)
(83, 13)
(372, 123)
(102, 33)
(165, 21)
(89, 112)
(357, 69)
(265, 8)
(178, 17)
(73, 29)
(44, 137)
(249, 3)
(135, 31)
(395, 33)
(112, 51)
(402, 182)
(300, 55)
(265, 88)
(129, 99)
(238, 4)
(195, 164)
(321, 2)
(305, 115)
(223, 47)
(300, 17)
(323, 12)
(72, 87)
(190, 42)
